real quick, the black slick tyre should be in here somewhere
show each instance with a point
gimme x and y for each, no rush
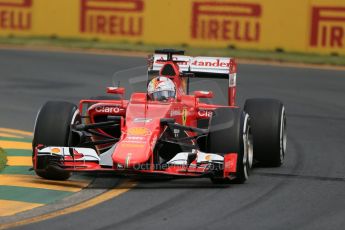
(52, 128)
(229, 132)
(268, 122)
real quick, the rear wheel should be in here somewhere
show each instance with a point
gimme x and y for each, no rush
(229, 132)
(52, 128)
(268, 121)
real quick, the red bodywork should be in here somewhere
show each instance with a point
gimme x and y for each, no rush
(141, 128)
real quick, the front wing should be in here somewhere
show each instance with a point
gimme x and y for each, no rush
(77, 159)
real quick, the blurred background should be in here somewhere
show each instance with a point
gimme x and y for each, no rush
(307, 31)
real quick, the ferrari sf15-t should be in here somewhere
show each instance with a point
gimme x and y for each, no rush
(183, 135)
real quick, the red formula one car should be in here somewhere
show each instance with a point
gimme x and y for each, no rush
(164, 130)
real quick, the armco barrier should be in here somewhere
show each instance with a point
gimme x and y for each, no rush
(295, 25)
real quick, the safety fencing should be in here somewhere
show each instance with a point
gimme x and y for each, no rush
(316, 26)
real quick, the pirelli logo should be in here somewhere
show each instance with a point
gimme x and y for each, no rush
(112, 17)
(226, 21)
(16, 15)
(327, 27)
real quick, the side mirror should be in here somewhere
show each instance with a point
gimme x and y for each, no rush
(116, 90)
(203, 94)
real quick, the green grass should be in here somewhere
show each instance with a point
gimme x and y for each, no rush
(55, 42)
(3, 159)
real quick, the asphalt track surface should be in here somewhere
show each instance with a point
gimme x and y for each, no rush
(307, 192)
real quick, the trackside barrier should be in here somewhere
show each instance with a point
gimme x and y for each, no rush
(296, 25)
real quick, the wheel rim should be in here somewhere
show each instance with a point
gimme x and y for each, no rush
(283, 135)
(75, 120)
(248, 148)
(75, 117)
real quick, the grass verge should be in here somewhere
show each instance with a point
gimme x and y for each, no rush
(3, 159)
(71, 43)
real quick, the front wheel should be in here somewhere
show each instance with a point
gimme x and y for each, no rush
(229, 132)
(52, 128)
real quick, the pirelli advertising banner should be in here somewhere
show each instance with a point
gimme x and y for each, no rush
(316, 26)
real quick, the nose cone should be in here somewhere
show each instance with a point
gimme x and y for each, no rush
(133, 150)
(129, 154)
(140, 133)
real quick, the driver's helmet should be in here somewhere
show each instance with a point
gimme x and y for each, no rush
(161, 89)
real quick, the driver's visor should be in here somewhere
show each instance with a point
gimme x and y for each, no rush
(162, 95)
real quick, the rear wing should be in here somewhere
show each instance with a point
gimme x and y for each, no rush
(201, 67)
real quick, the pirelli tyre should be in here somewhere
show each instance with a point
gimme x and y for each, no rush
(268, 122)
(229, 132)
(52, 128)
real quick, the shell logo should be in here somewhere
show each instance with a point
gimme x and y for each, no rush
(55, 150)
(208, 157)
(139, 131)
